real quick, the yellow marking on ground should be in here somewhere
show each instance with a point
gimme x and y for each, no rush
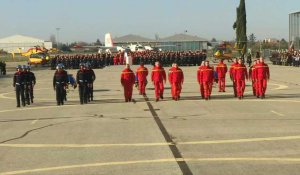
(277, 113)
(240, 140)
(150, 144)
(34, 122)
(172, 160)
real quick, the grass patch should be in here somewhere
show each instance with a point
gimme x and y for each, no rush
(9, 58)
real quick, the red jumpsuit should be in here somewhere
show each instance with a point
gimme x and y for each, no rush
(127, 81)
(158, 75)
(262, 74)
(170, 71)
(176, 80)
(252, 76)
(199, 72)
(232, 77)
(240, 76)
(207, 78)
(116, 60)
(221, 70)
(142, 73)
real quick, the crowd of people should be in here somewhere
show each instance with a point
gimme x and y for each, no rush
(258, 73)
(286, 58)
(166, 58)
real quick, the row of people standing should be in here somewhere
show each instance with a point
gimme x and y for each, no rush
(166, 58)
(286, 58)
(24, 81)
(258, 73)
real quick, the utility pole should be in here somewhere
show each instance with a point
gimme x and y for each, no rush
(57, 36)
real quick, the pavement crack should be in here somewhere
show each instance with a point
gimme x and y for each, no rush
(39, 128)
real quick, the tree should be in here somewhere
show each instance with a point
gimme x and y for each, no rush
(98, 42)
(213, 40)
(252, 38)
(283, 44)
(65, 48)
(240, 27)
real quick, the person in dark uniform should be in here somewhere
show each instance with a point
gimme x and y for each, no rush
(26, 84)
(65, 89)
(18, 84)
(91, 77)
(31, 83)
(81, 79)
(3, 68)
(249, 60)
(59, 82)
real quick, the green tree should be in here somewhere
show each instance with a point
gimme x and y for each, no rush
(240, 27)
(283, 44)
(98, 42)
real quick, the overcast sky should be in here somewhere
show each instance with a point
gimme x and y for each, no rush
(87, 20)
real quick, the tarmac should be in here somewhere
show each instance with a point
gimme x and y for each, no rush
(222, 136)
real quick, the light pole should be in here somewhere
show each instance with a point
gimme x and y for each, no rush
(57, 36)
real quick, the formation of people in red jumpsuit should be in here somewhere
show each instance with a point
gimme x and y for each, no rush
(258, 74)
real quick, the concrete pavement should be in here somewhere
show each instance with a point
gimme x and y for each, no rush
(191, 136)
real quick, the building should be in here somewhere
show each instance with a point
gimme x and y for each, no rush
(183, 42)
(177, 42)
(132, 39)
(20, 43)
(294, 29)
(271, 40)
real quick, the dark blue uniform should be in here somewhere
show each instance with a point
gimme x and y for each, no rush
(59, 82)
(82, 82)
(18, 83)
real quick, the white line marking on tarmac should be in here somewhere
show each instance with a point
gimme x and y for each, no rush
(280, 86)
(100, 164)
(150, 144)
(277, 113)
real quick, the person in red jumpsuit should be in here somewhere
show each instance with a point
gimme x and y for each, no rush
(241, 75)
(176, 78)
(221, 70)
(252, 77)
(263, 75)
(158, 77)
(142, 73)
(199, 72)
(127, 81)
(207, 78)
(232, 76)
(170, 71)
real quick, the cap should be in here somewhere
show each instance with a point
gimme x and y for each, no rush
(59, 66)
(88, 64)
(24, 67)
(19, 67)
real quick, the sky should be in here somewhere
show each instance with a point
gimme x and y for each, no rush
(89, 20)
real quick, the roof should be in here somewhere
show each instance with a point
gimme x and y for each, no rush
(131, 38)
(182, 37)
(20, 39)
(295, 12)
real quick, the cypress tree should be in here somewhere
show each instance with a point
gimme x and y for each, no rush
(240, 27)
